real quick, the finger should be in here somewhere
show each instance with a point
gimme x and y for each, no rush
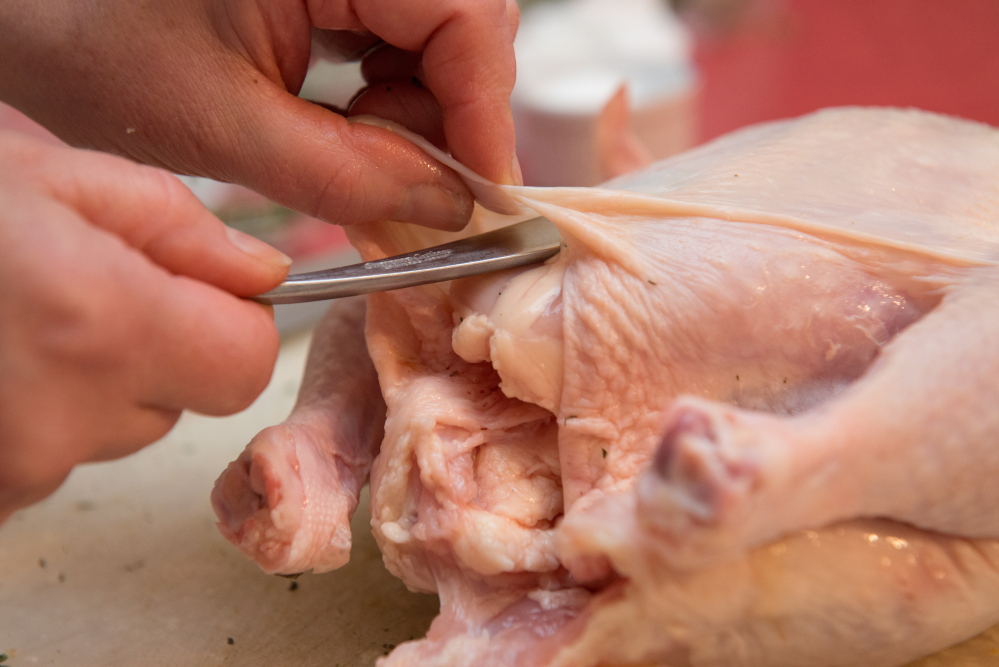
(47, 429)
(315, 161)
(153, 212)
(137, 428)
(108, 348)
(204, 350)
(405, 102)
(469, 63)
(236, 121)
(17, 492)
(131, 333)
(91, 420)
(30, 472)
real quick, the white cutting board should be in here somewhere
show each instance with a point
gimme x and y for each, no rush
(123, 566)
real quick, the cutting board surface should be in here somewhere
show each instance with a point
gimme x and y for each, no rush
(123, 566)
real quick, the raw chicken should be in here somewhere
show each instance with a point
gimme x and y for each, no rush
(746, 417)
(287, 500)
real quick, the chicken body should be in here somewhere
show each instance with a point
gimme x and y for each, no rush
(746, 417)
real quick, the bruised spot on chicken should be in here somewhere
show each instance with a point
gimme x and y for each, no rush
(689, 425)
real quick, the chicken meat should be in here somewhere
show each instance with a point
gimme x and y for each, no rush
(747, 416)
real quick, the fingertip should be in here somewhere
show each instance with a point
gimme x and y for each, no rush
(257, 249)
(256, 355)
(445, 203)
(201, 247)
(254, 352)
(485, 142)
(275, 264)
(392, 178)
(348, 173)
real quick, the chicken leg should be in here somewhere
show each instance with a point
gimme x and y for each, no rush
(286, 502)
(913, 440)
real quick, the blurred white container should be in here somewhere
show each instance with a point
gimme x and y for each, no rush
(572, 56)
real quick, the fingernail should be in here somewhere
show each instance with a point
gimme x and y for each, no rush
(257, 248)
(435, 207)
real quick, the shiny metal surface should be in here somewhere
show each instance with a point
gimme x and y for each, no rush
(529, 242)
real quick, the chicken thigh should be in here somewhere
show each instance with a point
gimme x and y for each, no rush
(745, 417)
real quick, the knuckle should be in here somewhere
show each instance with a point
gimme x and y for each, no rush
(83, 328)
(67, 329)
(162, 185)
(32, 164)
(165, 194)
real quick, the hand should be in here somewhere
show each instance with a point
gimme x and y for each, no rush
(208, 87)
(118, 309)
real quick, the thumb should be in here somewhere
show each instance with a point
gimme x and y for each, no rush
(153, 212)
(311, 159)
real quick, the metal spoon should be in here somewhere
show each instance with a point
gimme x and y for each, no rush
(529, 242)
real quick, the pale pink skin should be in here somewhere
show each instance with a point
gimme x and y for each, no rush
(773, 369)
(286, 502)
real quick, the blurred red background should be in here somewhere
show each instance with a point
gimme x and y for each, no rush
(766, 59)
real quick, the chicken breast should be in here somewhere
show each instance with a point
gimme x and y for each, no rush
(745, 417)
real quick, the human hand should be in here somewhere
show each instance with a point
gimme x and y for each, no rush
(208, 87)
(119, 308)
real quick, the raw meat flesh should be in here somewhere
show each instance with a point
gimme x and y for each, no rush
(746, 417)
(287, 500)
